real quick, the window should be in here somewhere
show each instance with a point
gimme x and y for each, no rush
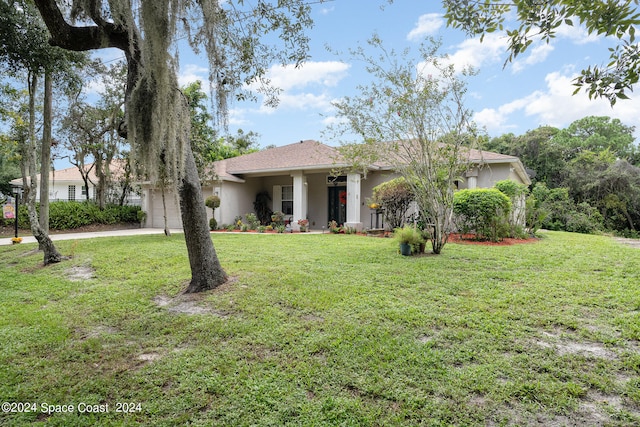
(84, 191)
(72, 192)
(287, 199)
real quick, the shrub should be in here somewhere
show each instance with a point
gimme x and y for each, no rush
(517, 219)
(252, 221)
(277, 218)
(564, 214)
(585, 219)
(212, 202)
(213, 224)
(411, 236)
(261, 206)
(395, 197)
(70, 215)
(483, 211)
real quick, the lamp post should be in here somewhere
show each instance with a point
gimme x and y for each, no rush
(17, 191)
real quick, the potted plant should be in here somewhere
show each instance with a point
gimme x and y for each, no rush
(408, 238)
(304, 224)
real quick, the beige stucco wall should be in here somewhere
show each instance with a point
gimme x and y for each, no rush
(490, 174)
(236, 198)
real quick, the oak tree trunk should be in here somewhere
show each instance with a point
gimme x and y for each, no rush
(30, 185)
(206, 271)
(45, 155)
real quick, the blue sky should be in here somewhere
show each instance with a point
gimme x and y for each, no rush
(535, 90)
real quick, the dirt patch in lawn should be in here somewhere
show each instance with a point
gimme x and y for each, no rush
(80, 273)
(564, 346)
(634, 243)
(187, 304)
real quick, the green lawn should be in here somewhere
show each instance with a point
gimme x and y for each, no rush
(323, 330)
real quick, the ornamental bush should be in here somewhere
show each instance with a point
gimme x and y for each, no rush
(395, 197)
(483, 211)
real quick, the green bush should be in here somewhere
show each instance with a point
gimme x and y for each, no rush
(563, 214)
(71, 215)
(394, 197)
(212, 202)
(213, 224)
(252, 221)
(483, 211)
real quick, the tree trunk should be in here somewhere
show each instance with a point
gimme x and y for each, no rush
(167, 232)
(45, 155)
(206, 271)
(51, 254)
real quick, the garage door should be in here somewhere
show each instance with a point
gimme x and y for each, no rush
(173, 210)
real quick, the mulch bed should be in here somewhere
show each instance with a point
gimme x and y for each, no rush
(470, 239)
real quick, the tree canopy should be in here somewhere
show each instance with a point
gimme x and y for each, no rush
(540, 20)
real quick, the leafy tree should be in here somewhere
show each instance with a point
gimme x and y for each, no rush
(91, 130)
(413, 117)
(597, 134)
(157, 118)
(538, 150)
(539, 20)
(395, 198)
(25, 51)
(611, 185)
(9, 157)
(564, 213)
(203, 135)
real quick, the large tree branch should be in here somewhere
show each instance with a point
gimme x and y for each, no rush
(75, 38)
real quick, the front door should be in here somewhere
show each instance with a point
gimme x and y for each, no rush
(338, 204)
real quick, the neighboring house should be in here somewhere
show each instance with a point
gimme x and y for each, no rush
(67, 184)
(299, 179)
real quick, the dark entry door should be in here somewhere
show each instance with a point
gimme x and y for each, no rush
(338, 204)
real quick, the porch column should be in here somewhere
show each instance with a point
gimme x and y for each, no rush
(146, 206)
(353, 202)
(472, 179)
(299, 199)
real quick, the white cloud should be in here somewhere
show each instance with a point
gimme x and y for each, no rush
(538, 54)
(557, 106)
(578, 35)
(237, 117)
(299, 102)
(191, 73)
(474, 53)
(327, 10)
(470, 53)
(427, 25)
(328, 73)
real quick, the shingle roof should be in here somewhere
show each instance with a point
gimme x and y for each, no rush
(313, 155)
(307, 154)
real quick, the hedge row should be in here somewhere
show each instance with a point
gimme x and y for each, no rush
(70, 215)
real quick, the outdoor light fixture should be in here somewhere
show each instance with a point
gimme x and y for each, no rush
(17, 192)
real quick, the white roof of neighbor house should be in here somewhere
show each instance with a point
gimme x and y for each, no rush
(313, 155)
(72, 174)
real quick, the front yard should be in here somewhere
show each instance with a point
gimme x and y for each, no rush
(323, 330)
